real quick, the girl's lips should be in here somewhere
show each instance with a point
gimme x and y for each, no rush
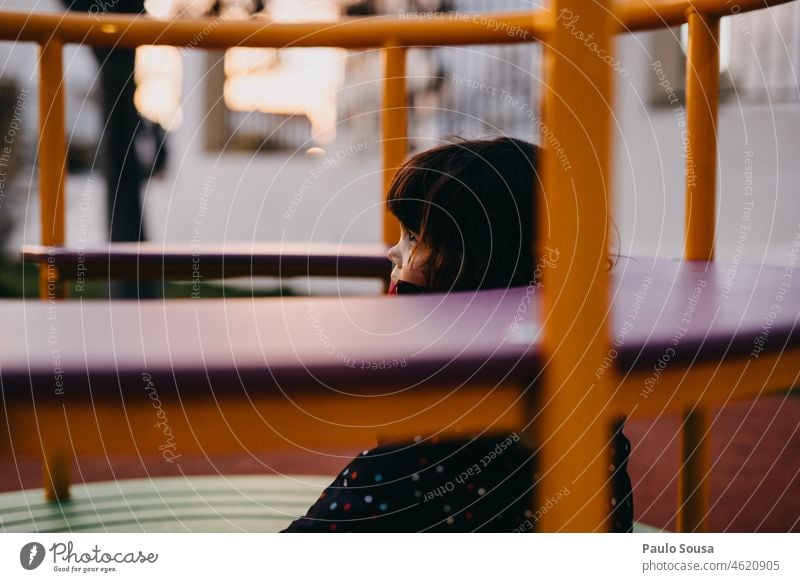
(393, 287)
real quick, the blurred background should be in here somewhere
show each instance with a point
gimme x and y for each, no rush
(284, 144)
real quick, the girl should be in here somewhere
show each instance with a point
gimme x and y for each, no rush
(465, 211)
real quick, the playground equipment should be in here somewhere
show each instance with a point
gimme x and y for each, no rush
(257, 359)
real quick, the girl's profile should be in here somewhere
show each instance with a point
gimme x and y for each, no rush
(466, 215)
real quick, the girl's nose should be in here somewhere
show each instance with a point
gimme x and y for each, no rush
(395, 256)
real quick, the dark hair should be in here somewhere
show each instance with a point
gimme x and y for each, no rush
(471, 204)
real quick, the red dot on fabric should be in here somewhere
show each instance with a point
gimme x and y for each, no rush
(332, 527)
(324, 493)
(468, 515)
(470, 486)
(347, 507)
(353, 475)
(423, 461)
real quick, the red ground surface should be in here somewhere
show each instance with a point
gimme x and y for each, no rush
(755, 476)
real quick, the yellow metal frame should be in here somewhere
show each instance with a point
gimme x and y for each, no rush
(573, 218)
(579, 409)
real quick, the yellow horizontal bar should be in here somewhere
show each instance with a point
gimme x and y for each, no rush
(424, 29)
(636, 15)
(705, 384)
(258, 422)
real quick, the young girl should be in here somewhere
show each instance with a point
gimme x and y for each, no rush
(466, 215)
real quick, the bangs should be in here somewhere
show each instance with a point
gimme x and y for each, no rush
(406, 197)
(419, 181)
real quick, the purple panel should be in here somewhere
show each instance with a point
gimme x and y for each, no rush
(214, 260)
(673, 310)
(374, 345)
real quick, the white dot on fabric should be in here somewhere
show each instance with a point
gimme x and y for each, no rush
(346, 471)
(368, 499)
(439, 469)
(481, 491)
(417, 438)
(450, 521)
(613, 501)
(334, 505)
(611, 467)
(415, 477)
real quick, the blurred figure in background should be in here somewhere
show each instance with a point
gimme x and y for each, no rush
(123, 167)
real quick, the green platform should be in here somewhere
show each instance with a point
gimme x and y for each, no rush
(174, 504)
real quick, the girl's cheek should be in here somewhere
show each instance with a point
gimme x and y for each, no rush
(411, 274)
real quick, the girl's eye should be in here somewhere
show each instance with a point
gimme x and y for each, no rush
(412, 238)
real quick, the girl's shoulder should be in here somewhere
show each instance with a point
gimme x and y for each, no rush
(437, 455)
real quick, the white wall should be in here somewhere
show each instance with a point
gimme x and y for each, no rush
(649, 170)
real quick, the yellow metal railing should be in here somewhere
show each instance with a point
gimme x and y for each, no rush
(578, 89)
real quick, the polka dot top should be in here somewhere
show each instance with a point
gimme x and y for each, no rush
(480, 485)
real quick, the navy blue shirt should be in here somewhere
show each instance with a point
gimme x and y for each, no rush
(480, 485)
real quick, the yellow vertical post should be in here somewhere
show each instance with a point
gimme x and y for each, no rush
(573, 219)
(52, 158)
(54, 435)
(693, 482)
(702, 98)
(394, 127)
(52, 175)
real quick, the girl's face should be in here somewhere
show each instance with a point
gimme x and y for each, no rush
(407, 259)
